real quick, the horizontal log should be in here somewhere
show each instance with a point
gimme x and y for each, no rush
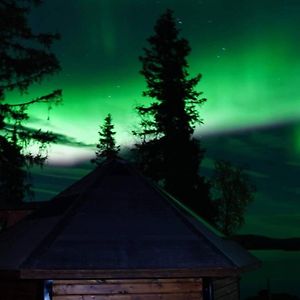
(131, 281)
(232, 296)
(221, 282)
(131, 273)
(191, 296)
(226, 291)
(78, 297)
(121, 288)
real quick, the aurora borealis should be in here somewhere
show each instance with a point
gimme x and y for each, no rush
(248, 53)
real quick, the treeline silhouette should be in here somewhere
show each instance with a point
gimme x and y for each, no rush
(166, 149)
(25, 59)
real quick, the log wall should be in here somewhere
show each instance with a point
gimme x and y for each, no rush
(226, 288)
(134, 289)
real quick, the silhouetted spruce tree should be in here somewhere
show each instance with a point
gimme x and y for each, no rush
(107, 148)
(25, 59)
(233, 193)
(167, 150)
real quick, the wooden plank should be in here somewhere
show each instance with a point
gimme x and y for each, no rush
(130, 273)
(228, 287)
(132, 281)
(190, 296)
(120, 288)
(226, 291)
(67, 297)
(232, 296)
(221, 282)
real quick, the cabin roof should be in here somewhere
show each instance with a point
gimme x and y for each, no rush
(116, 223)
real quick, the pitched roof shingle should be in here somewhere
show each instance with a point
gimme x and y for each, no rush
(114, 221)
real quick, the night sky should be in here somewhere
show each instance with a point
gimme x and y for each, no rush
(248, 53)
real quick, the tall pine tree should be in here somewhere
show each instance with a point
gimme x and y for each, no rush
(167, 151)
(25, 59)
(106, 148)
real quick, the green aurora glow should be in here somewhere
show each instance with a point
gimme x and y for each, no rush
(247, 51)
(249, 55)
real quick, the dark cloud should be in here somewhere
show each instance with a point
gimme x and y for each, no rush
(61, 139)
(66, 140)
(266, 154)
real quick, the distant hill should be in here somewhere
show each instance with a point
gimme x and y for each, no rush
(259, 242)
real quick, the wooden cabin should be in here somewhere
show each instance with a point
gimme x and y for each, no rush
(114, 235)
